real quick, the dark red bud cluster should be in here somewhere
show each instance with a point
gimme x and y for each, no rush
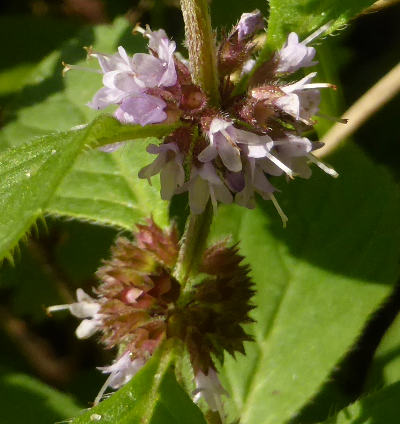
(142, 304)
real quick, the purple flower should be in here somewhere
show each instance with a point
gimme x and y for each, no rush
(86, 307)
(121, 372)
(294, 55)
(204, 184)
(302, 98)
(249, 23)
(159, 70)
(255, 181)
(127, 78)
(169, 164)
(292, 151)
(141, 109)
(210, 389)
(222, 135)
(118, 79)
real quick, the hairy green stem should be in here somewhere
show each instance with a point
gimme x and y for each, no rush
(203, 64)
(201, 45)
(193, 244)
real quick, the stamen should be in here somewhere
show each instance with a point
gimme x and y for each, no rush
(68, 67)
(103, 389)
(138, 28)
(333, 118)
(330, 171)
(319, 85)
(94, 53)
(317, 33)
(229, 138)
(280, 164)
(56, 308)
(284, 218)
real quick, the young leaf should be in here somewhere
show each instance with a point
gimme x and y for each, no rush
(153, 396)
(317, 282)
(30, 174)
(379, 408)
(24, 399)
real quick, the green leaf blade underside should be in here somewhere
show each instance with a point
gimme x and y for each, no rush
(378, 408)
(153, 396)
(317, 282)
(306, 16)
(25, 399)
(31, 173)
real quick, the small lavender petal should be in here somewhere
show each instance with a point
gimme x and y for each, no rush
(208, 154)
(199, 194)
(294, 55)
(235, 180)
(106, 97)
(249, 23)
(222, 136)
(122, 370)
(122, 81)
(222, 194)
(84, 309)
(230, 155)
(148, 69)
(141, 109)
(290, 104)
(87, 328)
(155, 38)
(172, 175)
(153, 169)
(208, 173)
(210, 388)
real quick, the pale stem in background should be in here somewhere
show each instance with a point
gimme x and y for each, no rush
(379, 5)
(383, 91)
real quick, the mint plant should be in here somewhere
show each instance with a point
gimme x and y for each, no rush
(213, 311)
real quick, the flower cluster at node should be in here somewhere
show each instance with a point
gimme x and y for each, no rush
(138, 304)
(224, 153)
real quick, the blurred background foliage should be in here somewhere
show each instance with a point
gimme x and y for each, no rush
(63, 255)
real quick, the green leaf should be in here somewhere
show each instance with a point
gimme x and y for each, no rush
(317, 282)
(25, 399)
(153, 396)
(30, 174)
(99, 187)
(379, 408)
(305, 16)
(105, 188)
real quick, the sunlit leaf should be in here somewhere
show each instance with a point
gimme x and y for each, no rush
(318, 281)
(31, 173)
